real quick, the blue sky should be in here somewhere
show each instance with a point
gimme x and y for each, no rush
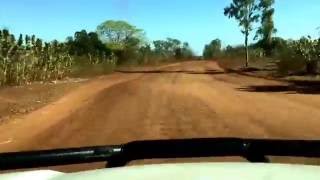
(194, 21)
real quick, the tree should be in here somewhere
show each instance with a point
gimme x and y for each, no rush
(20, 40)
(87, 44)
(267, 28)
(172, 48)
(33, 39)
(228, 48)
(27, 41)
(145, 53)
(160, 48)
(246, 13)
(122, 38)
(118, 33)
(186, 50)
(213, 49)
(309, 50)
(163, 48)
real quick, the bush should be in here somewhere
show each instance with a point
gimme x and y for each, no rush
(234, 57)
(290, 66)
(300, 56)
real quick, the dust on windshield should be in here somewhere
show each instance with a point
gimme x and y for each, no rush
(86, 73)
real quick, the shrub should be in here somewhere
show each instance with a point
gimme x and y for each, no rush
(83, 67)
(300, 56)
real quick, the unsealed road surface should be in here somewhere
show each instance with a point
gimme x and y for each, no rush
(184, 100)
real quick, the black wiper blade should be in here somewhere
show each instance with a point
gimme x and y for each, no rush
(44, 158)
(254, 150)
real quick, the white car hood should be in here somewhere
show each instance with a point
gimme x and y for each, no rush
(189, 171)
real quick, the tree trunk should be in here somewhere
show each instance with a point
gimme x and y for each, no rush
(312, 67)
(247, 49)
(90, 58)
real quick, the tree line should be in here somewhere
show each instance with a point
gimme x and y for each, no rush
(130, 43)
(127, 43)
(28, 58)
(252, 12)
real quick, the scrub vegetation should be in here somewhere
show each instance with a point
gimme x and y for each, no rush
(286, 56)
(27, 58)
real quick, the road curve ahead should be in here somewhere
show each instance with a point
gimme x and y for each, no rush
(183, 100)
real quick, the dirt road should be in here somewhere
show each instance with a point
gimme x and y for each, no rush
(186, 100)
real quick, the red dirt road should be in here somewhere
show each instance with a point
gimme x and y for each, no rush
(185, 100)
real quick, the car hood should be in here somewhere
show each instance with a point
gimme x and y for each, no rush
(188, 171)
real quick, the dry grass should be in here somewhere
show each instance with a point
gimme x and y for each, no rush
(17, 100)
(239, 62)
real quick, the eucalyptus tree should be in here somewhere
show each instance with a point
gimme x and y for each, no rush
(246, 12)
(267, 28)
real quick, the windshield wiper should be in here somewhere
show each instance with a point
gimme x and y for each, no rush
(254, 150)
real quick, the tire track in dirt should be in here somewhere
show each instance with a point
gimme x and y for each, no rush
(283, 105)
(23, 130)
(197, 100)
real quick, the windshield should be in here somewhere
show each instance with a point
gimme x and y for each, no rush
(90, 73)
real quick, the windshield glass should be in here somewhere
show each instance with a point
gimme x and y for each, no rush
(88, 73)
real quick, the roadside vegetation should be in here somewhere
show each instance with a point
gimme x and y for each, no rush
(115, 43)
(267, 52)
(26, 58)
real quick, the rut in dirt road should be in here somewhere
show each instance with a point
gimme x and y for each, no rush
(186, 100)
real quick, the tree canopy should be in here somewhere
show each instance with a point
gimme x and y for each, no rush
(213, 49)
(267, 29)
(172, 48)
(87, 44)
(118, 33)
